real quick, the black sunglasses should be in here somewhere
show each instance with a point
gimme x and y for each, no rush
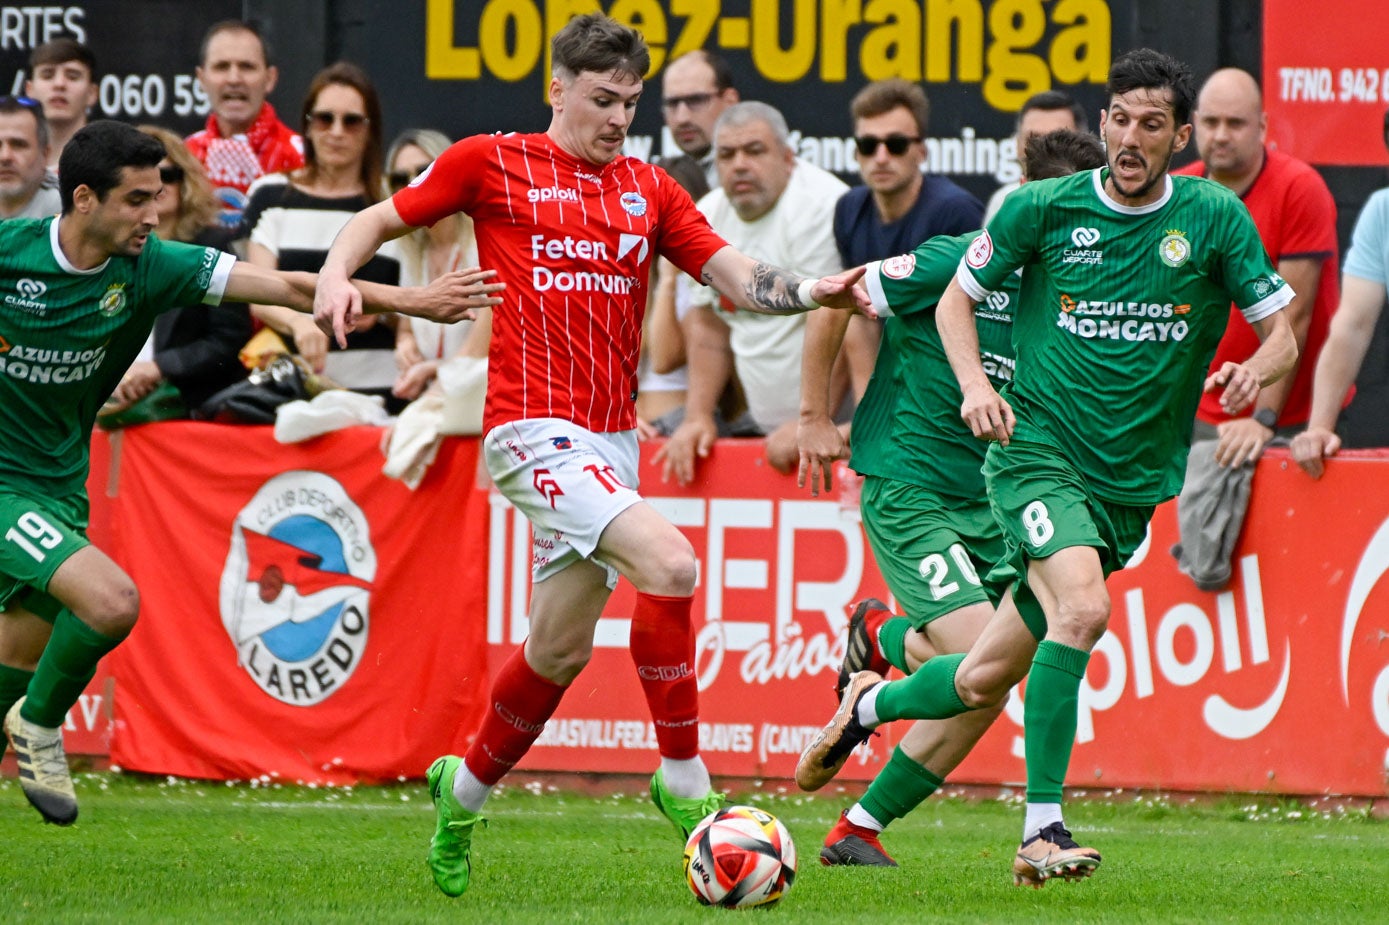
(897, 145)
(323, 120)
(399, 179)
(171, 175)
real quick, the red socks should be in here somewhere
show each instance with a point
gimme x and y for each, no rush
(663, 650)
(521, 702)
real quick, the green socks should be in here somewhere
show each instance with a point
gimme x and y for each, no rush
(928, 694)
(1049, 717)
(899, 788)
(892, 642)
(66, 666)
(14, 682)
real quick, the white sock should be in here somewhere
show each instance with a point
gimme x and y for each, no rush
(470, 792)
(863, 818)
(866, 710)
(1039, 816)
(687, 778)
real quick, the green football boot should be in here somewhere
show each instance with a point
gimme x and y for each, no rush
(451, 846)
(684, 812)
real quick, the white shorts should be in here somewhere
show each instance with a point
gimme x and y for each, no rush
(569, 482)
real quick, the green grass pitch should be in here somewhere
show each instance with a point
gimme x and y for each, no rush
(148, 850)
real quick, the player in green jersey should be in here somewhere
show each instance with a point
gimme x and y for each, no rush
(1129, 276)
(78, 296)
(923, 502)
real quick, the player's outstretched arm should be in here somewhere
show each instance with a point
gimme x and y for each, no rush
(454, 296)
(761, 287)
(1352, 328)
(1277, 355)
(989, 417)
(338, 303)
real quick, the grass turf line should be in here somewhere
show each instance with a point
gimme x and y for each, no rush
(176, 851)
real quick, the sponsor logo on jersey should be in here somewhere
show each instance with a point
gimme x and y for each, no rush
(1127, 321)
(626, 242)
(899, 267)
(551, 194)
(1174, 249)
(1084, 251)
(296, 588)
(633, 204)
(590, 177)
(980, 251)
(43, 365)
(997, 366)
(546, 279)
(997, 301)
(113, 301)
(562, 443)
(31, 292)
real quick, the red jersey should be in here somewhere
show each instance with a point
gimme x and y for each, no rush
(1296, 218)
(574, 242)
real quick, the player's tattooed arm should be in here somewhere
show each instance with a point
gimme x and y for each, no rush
(773, 290)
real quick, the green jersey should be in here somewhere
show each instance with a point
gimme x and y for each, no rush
(1120, 313)
(908, 425)
(68, 335)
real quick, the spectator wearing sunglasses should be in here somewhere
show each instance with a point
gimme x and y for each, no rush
(244, 139)
(695, 90)
(191, 348)
(293, 217)
(425, 254)
(24, 144)
(62, 77)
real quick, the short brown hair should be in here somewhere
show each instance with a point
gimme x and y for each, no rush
(601, 45)
(61, 51)
(886, 95)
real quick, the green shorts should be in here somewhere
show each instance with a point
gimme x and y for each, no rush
(35, 538)
(1044, 505)
(931, 549)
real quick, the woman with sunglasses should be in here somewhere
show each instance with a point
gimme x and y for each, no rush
(293, 217)
(193, 349)
(425, 254)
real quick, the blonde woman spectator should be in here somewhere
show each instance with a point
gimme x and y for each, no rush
(425, 254)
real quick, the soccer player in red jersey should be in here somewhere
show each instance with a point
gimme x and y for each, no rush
(571, 227)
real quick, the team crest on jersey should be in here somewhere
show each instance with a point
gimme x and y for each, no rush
(899, 267)
(633, 204)
(562, 443)
(1175, 249)
(296, 588)
(113, 301)
(980, 251)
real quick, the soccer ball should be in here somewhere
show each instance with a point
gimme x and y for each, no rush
(738, 857)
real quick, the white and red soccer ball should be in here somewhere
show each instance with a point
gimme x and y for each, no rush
(738, 857)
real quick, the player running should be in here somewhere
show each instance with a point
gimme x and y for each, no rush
(572, 227)
(923, 502)
(78, 296)
(1130, 273)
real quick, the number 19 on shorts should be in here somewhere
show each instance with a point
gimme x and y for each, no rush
(34, 535)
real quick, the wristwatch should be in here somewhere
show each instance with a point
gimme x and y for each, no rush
(1267, 417)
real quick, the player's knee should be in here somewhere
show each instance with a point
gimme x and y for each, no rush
(1081, 621)
(670, 570)
(981, 689)
(115, 610)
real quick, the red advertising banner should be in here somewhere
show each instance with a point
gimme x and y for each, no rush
(302, 615)
(1326, 80)
(253, 557)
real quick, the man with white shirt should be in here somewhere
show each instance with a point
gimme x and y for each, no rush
(780, 210)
